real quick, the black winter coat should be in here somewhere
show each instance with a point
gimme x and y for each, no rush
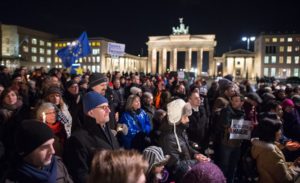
(199, 127)
(179, 162)
(62, 175)
(82, 145)
(75, 108)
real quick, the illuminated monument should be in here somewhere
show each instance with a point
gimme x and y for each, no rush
(180, 41)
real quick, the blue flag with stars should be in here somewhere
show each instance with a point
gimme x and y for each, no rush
(77, 49)
(76, 69)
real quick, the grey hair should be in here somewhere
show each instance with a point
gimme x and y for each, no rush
(145, 97)
(147, 94)
(42, 108)
(129, 102)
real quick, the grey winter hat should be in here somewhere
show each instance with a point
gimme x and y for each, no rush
(254, 96)
(135, 90)
(155, 157)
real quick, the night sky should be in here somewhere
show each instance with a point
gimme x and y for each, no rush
(131, 22)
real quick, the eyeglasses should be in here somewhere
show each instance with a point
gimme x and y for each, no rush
(104, 107)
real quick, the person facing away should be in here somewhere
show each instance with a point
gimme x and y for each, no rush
(270, 161)
(118, 166)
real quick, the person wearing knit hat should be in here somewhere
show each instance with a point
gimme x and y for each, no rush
(174, 140)
(54, 96)
(136, 91)
(92, 136)
(156, 160)
(254, 97)
(98, 83)
(204, 172)
(73, 98)
(53, 90)
(287, 105)
(70, 83)
(34, 143)
(30, 135)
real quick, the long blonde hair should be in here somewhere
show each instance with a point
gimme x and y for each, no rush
(118, 166)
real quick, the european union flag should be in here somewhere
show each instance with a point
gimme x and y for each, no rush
(76, 69)
(77, 49)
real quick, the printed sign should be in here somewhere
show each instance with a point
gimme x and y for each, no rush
(116, 49)
(240, 129)
(180, 75)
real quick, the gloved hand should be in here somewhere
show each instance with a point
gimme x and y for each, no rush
(122, 128)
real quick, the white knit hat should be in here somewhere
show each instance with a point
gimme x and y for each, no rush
(176, 109)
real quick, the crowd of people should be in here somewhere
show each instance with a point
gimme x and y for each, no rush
(137, 128)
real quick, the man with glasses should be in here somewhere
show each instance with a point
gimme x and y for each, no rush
(98, 82)
(95, 135)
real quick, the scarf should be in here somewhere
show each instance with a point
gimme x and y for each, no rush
(13, 107)
(56, 127)
(8, 110)
(46, 175)
(59, 131)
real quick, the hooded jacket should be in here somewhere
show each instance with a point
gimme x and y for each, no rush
(81, 146)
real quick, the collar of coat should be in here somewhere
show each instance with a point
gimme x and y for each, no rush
(262, 144)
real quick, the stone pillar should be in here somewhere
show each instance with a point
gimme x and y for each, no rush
(211, 64)
(173, 61)
(148, 61)
(245, 68)
(153, 61)
(163, 61)
(199, 61)
(233, 71)
(224, 69)
(102, 68)
(253, 68)
(188, 60)
(160, 62)
(107, 64)
(121, 64)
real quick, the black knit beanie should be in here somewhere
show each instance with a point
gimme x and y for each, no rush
(30, 135)
(96, 79)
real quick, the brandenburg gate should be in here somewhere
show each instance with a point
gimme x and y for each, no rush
(180, 41)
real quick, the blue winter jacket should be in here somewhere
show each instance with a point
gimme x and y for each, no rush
(136, 122)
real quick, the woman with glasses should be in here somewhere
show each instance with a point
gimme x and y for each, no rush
(138, 123)
(46, 113)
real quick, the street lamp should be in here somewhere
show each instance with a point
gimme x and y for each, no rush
(248, 39)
